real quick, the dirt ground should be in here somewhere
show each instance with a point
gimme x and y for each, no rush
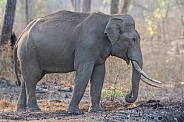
(53, 99)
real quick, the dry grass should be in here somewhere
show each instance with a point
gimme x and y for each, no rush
(6, 105)
(52, 106)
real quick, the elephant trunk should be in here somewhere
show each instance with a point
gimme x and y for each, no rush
(136, 76)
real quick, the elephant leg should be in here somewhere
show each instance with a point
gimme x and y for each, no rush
(96, 84)
(21, 104)
(83, 75)
(31, 101)
(31, 75)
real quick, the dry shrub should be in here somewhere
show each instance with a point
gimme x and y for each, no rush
(4, 104)
(66, 79)
(118, 74)
(6, 61)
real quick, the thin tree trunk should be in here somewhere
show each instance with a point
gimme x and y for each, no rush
(125, 6)
(73, 5)
(77, 5)
(86, 6)
(27, 12)
(114, 6)
(8, 21)
(182, 22)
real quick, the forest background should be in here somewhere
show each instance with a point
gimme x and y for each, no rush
(159, 22)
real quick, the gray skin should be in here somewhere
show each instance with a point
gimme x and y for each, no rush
(68, 41)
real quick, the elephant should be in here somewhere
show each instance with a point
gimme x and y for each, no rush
(68, 41)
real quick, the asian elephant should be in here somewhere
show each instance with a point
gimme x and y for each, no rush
(69, 41)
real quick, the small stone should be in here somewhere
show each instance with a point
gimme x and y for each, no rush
(66, 96)
(159, 118)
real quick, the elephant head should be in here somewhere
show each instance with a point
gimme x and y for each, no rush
(125, 42)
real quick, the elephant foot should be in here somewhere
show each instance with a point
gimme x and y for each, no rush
(96, 109)
(21, 108)
(74, 111)
(34, 109)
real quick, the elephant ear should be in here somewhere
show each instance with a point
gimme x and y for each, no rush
(113, 29)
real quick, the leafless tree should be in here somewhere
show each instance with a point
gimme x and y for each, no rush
(8, 21)
(27, 12)
(76, 5)
(182, 22)
(86, 6)
(114, 6)
(139, 5)
(125, 6)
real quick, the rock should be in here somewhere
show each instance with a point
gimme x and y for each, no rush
(41, 90)
(65, 89)
(66, 96)
(55, 101)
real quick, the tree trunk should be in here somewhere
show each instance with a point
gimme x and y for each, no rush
(114, 6)
(8, 21)
(125, 6)
(77, 5)
(182, 22)
(86, 6)
(27, 12)
(72, 1)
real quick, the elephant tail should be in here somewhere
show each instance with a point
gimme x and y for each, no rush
(15, 51)
(16, 66)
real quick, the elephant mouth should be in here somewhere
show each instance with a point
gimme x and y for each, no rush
(127, 59)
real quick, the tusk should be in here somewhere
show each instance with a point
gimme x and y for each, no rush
(136, 65)
(150, 83)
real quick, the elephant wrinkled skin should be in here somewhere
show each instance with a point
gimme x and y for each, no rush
(69, 41)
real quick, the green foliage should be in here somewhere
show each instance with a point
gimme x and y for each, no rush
(106, 1)
(151, 27)
(2, 8)
(2, 3)
(160, 11)
(114, 92)
(150, 95)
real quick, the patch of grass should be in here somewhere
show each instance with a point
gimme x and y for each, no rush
(113, 92)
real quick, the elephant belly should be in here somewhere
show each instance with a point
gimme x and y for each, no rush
(56, 60)
(57, 65)
(56, 69)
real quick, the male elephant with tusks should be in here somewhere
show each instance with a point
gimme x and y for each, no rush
(69, 41)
